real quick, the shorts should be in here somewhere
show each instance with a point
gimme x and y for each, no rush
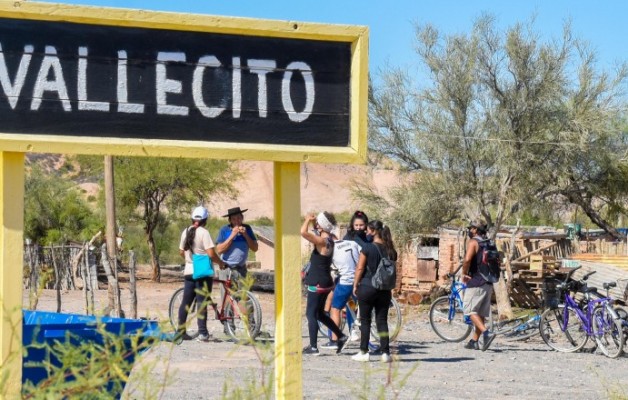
(477, 300)
(341, 296)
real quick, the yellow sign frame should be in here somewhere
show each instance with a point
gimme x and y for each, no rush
(287, 159)
(356, 35)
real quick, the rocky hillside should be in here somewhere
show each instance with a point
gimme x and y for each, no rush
(323, 186)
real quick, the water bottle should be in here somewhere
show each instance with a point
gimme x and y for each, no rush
(467, 320)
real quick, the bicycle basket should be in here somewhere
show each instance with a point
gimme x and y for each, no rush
(551, 294)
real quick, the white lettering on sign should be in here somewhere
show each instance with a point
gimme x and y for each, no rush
(165, 85)
(49, 64)
(310, 93)
(13, 90)
(261, 68)
(197, 86)
(236, 87)
(81, 86)
(50, 78)
(122, 88)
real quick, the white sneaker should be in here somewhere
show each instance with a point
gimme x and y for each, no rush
(386, 358)
(363, 357)
(355, 336)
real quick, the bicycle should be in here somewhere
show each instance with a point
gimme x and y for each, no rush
(447, 317)
(568, 326)
(349, 316)
(238, 325)
(530, 320)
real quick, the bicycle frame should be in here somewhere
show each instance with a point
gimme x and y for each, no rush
(586, 320)
(454, 296)
(220, 315)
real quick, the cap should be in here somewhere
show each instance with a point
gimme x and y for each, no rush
(200, 213)
(479, 224)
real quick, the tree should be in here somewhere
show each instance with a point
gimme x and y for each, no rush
(157, 190)
(498, 114)
(504, 121)
(54, 210)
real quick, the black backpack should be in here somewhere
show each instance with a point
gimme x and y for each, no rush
(488, 260)
(385, 277)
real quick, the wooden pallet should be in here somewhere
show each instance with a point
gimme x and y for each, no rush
(522, 295)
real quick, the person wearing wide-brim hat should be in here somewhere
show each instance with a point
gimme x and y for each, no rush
(235, 240)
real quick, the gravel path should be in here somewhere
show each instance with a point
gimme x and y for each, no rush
(425, 366)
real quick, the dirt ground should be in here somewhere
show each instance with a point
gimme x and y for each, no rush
(425, 367)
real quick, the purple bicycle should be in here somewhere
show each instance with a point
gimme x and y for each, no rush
(568, 326)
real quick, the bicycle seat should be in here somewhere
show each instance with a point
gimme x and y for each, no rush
(589, 290)
(609, 285)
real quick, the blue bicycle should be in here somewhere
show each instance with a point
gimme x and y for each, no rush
(447, 316)
(449, 322)
(349, 316)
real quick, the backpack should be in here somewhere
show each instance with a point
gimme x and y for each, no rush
(385, 277)
(488, 261)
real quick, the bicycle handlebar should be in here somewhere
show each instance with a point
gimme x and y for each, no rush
(452, 274)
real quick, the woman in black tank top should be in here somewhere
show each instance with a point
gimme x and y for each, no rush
(318, 279)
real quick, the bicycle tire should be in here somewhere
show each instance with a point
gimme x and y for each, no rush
(449, 329)
(394, 322)
(608, 331)
(191, 325)
(240, 329)
(529, 327)
(571, 339)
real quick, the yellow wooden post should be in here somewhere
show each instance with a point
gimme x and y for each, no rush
(287, 281)
(11, 261)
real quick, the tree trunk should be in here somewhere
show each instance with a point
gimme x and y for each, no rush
(77, 259)
(132, 284)
(85, 273)
(114, 300)
(153, 258)
(57, 278)
(503, 300)
(501, 293)
(595, 216)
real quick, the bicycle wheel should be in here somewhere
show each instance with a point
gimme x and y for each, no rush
(608, 331)
(326, 332)
(394, 322)
(565, 338)
(527, 328)
(448, 322)
(191, 325)
(243, 315)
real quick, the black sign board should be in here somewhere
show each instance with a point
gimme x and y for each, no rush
(84, 80)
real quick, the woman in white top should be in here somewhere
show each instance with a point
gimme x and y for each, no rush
(196, 239)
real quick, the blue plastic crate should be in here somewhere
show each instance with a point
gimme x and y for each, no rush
(46, 328)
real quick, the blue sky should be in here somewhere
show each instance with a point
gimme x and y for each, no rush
(601, 23)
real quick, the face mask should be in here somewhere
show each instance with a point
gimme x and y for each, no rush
(360, 234)
(469, 233)
(369, 238)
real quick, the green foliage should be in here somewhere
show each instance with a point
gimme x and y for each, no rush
(153, 193)
(543, 214)
(262, 221)
(505, 123)
(55, 210)
(90, 369)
